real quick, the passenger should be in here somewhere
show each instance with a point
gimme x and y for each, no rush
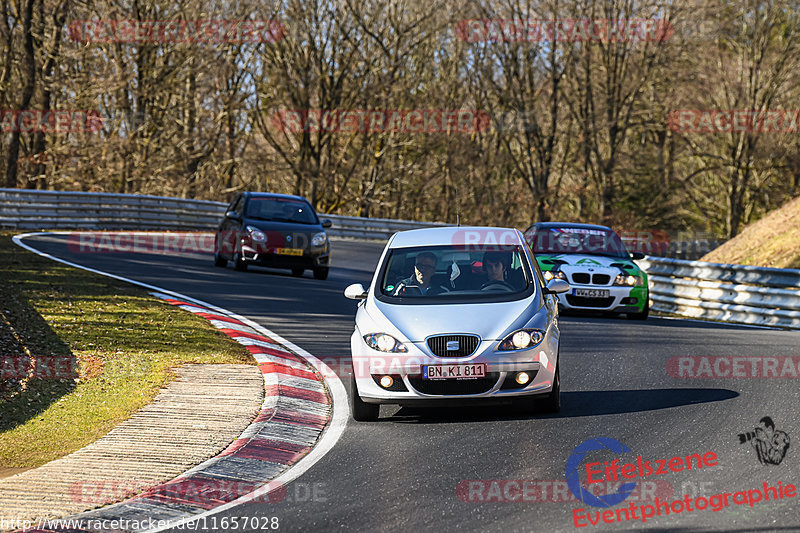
(420, 282)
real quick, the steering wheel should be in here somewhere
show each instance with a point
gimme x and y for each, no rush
(496, 285)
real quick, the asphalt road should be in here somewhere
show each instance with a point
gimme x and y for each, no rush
(404, 472)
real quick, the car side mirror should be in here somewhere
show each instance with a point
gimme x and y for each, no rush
(637, 255)
(556, 286)
(355, 291)
(233, 215)
(326, 223)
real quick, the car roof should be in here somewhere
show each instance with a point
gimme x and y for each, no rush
(479, 235)
(580, 225)
(253, 194)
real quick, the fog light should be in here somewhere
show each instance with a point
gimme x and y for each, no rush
(386, 382)
(522, 378)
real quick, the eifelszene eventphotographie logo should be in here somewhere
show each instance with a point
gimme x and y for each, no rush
(618, 471)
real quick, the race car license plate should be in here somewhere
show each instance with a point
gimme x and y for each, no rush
(454, 371)
(590, 293)
(289, 251)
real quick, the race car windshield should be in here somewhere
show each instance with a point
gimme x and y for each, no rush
(455, 274)
(280, 210)
(588, 241)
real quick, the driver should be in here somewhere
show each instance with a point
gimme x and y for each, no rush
(496, 265)
(421, 281)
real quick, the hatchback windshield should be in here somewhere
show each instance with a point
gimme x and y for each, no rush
(280, 210)
(567, 240)
(450, 273)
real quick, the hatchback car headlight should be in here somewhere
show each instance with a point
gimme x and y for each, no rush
(521, 339)
(256, 234)
(319, 239)
(629, 281)
(383, 342)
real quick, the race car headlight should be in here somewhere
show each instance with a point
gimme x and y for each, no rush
(383, 342)
(629, 281)
(521, 339)
(256, 235)
(557, 274)
(319, 239)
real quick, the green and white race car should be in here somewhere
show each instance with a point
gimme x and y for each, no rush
(593, 259)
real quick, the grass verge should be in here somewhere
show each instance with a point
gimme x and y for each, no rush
(773, 241)
(79, 353)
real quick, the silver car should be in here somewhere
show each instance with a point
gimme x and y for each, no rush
(456, 313)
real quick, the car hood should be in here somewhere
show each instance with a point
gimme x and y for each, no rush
(585, 261)
(282, 227)
(416, 322)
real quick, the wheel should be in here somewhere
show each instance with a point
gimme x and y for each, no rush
(321, 273)
(362, 411)
(552, 402)
(297, 272)
(497, 286)
(640, 316)
(219, 261)
(238, 262)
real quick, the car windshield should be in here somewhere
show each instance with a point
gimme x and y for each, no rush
(453, 273)
(567, 240)
(280, 210)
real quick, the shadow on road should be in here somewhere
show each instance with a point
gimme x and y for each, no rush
(573, 404)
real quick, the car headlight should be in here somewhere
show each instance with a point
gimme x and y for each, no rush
(551, 274)
(256, 235)
(383, 342)
(521, 339)
(319, 239)
(629, 281)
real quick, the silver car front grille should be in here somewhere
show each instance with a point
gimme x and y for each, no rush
(453, 345)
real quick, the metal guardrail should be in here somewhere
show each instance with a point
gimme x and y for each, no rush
(733, 293)
(31, 209)
(730, 293)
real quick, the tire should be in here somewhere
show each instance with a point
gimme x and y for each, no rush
(640, 316)
(297, 272)
(238, 262)
(321, 273)
(362, 411)
(552, 402)
(220, 261)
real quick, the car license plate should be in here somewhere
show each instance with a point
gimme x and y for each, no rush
(590, 293)
(454, 371)
(289, 251)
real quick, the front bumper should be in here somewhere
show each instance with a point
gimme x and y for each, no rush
(501, 368)
(620, 299)
(313, 258)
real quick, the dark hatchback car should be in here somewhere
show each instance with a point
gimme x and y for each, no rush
(273, 230)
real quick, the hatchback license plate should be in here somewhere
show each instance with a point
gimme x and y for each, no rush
(289, 251)
(454, 371)
(590, 293)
